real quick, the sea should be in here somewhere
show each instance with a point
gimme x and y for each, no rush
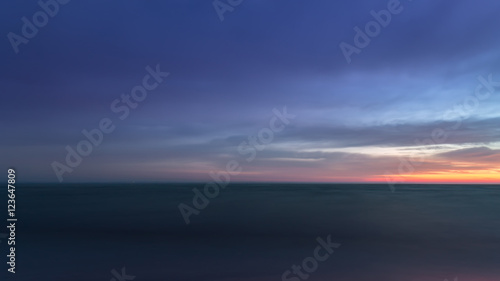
(255, 232)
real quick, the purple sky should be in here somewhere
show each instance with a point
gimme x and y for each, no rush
(354, 121)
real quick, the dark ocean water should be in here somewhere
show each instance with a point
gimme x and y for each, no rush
(257, 231)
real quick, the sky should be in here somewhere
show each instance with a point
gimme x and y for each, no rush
(415, 101)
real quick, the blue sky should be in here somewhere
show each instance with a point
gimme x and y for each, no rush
(354, 121)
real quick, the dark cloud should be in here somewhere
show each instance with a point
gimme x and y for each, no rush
(474, 155)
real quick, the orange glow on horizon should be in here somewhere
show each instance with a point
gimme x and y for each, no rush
(478, 177)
